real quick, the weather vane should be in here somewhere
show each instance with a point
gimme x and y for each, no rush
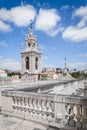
(31, 23)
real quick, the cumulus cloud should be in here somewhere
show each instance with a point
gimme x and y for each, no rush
(10, 64)
(75, 34)
(82, 13)
(78, 32)
(20, 15)
(4, 27)
(47, 21)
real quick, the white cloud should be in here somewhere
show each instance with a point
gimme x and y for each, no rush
(47, 21)
(4, 27)
(3, 43)
(44, 57)
(83, 55)
(78, 32)
(64, 7)
(75, 34)
(20, 15)
(78, 65)
(81, 12)
(10, 64)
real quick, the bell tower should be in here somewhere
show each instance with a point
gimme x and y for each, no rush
(31, 58)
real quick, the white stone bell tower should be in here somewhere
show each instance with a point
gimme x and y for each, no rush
(31, 58)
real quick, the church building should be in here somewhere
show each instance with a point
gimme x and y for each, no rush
(31, 58)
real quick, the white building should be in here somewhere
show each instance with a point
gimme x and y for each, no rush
(31, 58)
(3, 74)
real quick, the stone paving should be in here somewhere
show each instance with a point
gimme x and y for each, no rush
(10, 123)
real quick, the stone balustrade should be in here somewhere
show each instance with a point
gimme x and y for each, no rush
(56, 110)
(35, 106)
(76, 112)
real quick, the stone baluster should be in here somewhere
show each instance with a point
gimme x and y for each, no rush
(78, 116)
(84, 117)
(53, 109)
(44, 109)
(14, 103)
(33, 107)
(35, 110)
(39, 105)
(39, 112)
(69, 115)
(22, 104)
(35, 104)
(43, 105)
(26, 104)
(13, 99)
(31, 103)
(49, 106)
(18, 103)
(52, 106)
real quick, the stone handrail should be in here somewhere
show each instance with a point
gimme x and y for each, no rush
(55, 110)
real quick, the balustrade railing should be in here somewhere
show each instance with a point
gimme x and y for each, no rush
(67, 110)
(35, 106)
(76, 114)
(57, 110)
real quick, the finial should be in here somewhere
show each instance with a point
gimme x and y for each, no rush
(31, 24)
(65, 60)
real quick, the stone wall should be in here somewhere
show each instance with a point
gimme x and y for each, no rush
(6, 80)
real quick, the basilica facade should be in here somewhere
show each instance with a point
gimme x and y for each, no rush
(31, 58)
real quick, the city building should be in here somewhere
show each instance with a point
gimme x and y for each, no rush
(3, 74)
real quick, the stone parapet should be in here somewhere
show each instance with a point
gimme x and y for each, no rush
(59, 111)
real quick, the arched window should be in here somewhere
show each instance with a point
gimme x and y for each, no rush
(27, 63)
(36, 63)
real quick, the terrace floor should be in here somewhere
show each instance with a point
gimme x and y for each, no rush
(11, 123)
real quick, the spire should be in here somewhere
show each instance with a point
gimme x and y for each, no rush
(31, 23)
(65, 61)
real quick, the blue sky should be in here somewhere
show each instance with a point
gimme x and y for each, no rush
(60, 27)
